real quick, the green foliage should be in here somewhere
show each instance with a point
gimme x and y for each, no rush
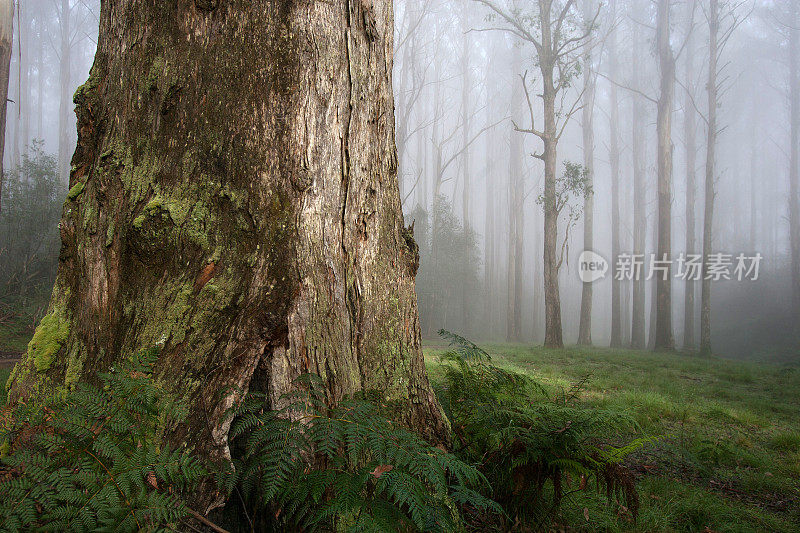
(530, 444)
(573, 185)
(349, 467)
(29, 239)
(448, 284)
(95, 460)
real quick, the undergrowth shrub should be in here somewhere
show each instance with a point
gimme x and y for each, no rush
(93, 459)
(534, 448)
(348, 468)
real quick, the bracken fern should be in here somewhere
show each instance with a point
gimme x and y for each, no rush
(348, 467)
(527, 443)
(93, 459)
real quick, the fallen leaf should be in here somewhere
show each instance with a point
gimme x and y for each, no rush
(381, 470)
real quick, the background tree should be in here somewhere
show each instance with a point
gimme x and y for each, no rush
(722, 21)
(614, 163)
(556, 35)
(587, 125)
(6, 34)
(664, 340)
(794, 162)
(690, 143)
(638, 144)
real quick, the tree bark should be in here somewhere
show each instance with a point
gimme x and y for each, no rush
(234, 200)
(6, 38)
(664, 340)
(711, 147)
(585, 326)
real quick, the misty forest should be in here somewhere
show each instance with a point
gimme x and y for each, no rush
(410, 265)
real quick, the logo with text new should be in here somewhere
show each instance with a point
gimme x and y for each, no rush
(591, 267)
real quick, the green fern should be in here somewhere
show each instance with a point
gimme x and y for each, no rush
(94, 460)
(528, 443)
(348, 467)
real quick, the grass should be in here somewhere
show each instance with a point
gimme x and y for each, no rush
(727, 456)
(15, 333)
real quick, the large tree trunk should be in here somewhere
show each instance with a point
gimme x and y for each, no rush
(664, 340)
(585, 326)
(6, 38)
(711, 147)
(234, 200)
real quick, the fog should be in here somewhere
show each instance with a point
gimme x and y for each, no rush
(469, 90)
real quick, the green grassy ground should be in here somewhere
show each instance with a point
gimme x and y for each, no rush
(15, 333)
(727, 456)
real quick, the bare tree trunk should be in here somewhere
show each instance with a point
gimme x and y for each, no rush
(25, 68)
(39, 79)
(466, 160)
(16, 90)
(402, 114)
(638, 316)
(651, 339)
(664, 340)
(234, 200)
(64, 101)
(6, 38)
(515, 229)
(794, 171)
(511, 260)
(519, 257)
(553, 337)
(422, 165)
(613, 149)
(690, 133)
(465, 129)
(711, 147)
(754, 180)
(489, 239)
(585, 327)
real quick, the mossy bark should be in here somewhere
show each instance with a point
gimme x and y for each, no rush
(234, 200)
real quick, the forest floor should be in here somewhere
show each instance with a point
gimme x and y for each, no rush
(727, 450)
(726, 454)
